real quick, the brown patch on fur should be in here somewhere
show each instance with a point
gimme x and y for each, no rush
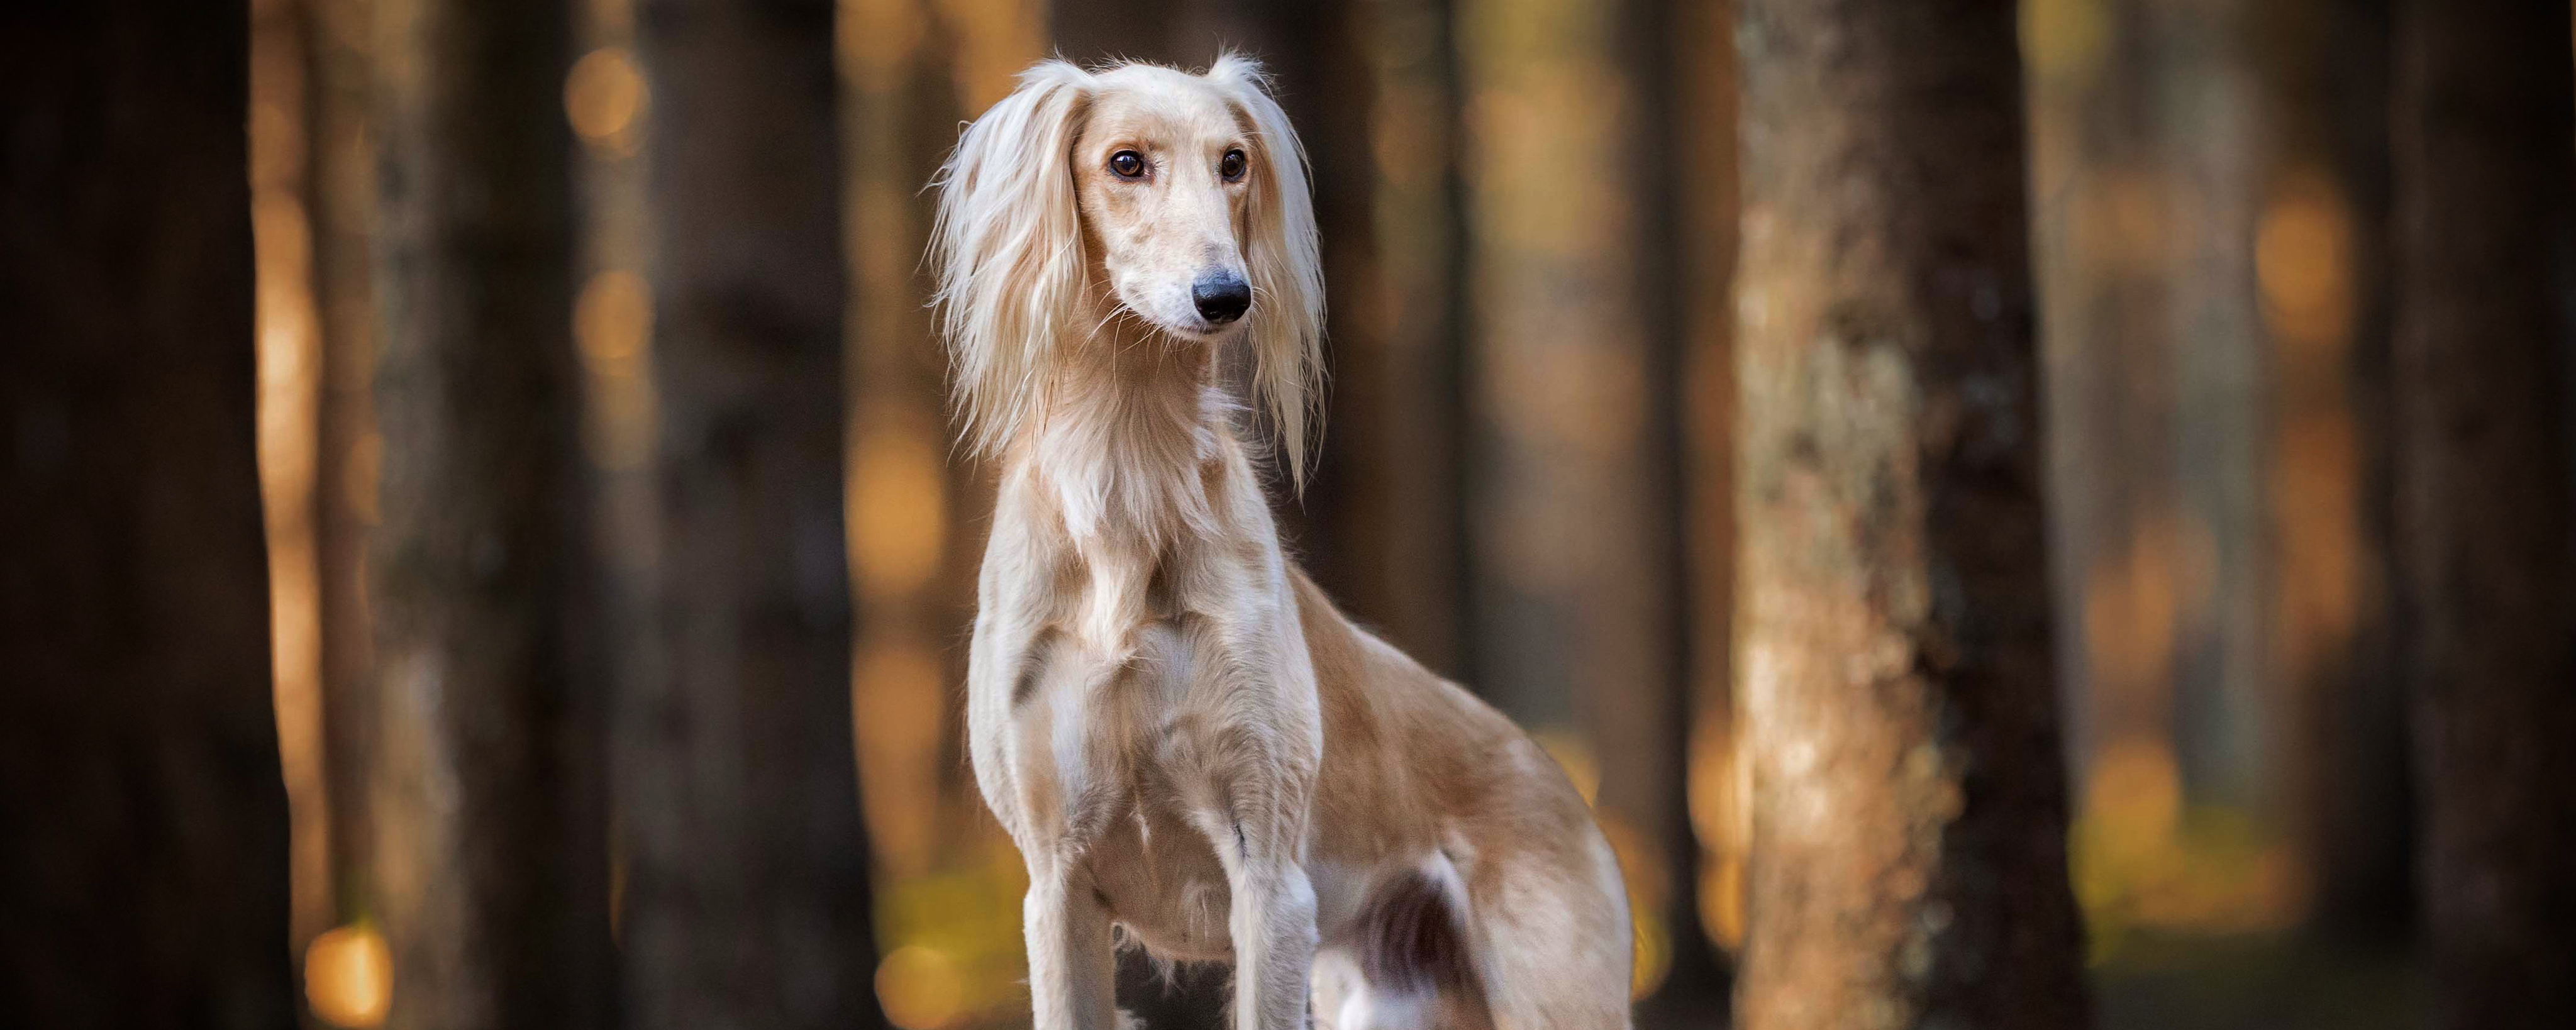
(1159, 593)
(1409, 938)
(1032, 665)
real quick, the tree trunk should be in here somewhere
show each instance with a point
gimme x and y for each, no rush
(339, 201)
(1646, 771)
(2322, 259)
(1699, 175)
(917, 538)
(2204, 90)
(145, 882)
(282, 276)
(489, 831)
(2483, 169)
(2122, 559)
(1388, 486)
(1090, 32)
(1909, 812)
(746, 900)
(1577, 585)
(2368, 883)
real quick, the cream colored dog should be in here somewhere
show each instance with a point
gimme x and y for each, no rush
(1188, 743)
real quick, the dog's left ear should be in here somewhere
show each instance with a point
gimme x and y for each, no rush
(1283, 257)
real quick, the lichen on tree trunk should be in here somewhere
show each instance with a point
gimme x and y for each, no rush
(1893, 673)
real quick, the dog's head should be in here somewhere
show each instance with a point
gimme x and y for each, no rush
(1136, 191)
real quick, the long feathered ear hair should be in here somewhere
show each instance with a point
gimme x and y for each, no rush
(1283, 256)
(1007, 247)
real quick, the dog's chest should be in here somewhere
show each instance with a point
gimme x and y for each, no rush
(1124, 744)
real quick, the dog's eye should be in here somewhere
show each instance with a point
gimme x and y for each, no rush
(1231, 165)
(1128, 164)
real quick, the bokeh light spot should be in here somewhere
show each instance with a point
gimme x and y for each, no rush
(613, 319)
(603, 97)
(898, 512)
(2302, 259)
(899, 693)
(613, 326)
(920, 988)
(348, 976)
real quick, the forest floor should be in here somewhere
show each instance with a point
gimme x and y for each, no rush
(2168, 982)
(2267, 982)
(2155, 982)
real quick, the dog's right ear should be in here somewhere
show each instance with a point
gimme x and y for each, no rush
(1007, 248)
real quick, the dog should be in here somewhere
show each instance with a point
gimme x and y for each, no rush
(1193, 749)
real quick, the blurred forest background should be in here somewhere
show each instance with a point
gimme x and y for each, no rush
(554, 561)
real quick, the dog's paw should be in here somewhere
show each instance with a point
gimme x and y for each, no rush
(1129, 1021)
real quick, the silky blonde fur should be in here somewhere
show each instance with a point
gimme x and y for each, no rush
(1193, 749)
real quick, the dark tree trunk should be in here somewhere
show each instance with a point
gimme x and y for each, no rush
(1909, 862)
(746, 900)
(144, 883)
(1577, 578)
(2366, 886)
(2341, 734)
(1090, 32)
(490, 870)
(2483, 171)
(1694, 179)
(339, 200)
(1391, 536)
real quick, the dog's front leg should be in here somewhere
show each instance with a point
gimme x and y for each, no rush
(1272, 921)
(1072, 961)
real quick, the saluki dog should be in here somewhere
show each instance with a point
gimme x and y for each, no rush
(1193, 749)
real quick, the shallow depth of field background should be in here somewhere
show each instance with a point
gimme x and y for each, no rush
(1523, 477)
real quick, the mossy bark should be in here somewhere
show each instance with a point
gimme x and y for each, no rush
(1894, 674)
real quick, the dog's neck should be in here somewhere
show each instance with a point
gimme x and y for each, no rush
(1131, 429)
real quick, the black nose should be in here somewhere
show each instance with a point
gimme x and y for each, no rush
(1221, 298)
